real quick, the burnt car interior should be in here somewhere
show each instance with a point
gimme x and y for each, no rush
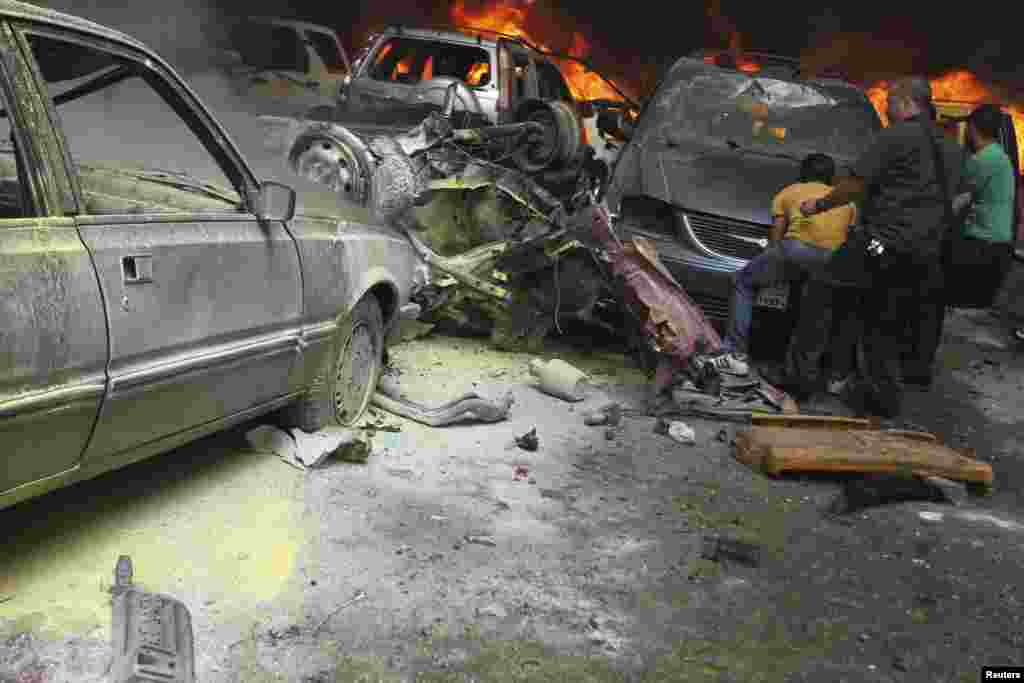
(83, 83)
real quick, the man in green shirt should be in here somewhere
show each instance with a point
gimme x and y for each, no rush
(989, 186)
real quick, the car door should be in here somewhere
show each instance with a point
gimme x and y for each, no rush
(53, 334)
(203, 299)
(279, 65)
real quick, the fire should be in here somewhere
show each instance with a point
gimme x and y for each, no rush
(511, 18)
(477, 73)
(958, 86)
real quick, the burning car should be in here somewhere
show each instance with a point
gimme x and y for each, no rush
(713, 145)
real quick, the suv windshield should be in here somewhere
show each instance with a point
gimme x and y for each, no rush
(698, 101)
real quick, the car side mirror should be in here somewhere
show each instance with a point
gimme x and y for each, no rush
(275, 202)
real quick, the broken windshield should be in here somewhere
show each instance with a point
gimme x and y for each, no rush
(697, 103)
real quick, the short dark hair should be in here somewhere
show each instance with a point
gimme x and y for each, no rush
(987, 119)
(817, 167)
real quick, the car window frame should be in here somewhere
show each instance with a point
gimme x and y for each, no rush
(26, 150)
(564, 93)
(311, 34)
(421, 56)
(190, 109)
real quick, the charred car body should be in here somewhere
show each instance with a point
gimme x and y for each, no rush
(146, 306)
(710, 149)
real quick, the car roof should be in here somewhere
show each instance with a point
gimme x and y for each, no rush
(455, 34)
(22, 10)
(294, 23)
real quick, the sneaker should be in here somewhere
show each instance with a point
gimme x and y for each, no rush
(729, 363)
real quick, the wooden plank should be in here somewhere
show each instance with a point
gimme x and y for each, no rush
(810, 421)
(891, 454)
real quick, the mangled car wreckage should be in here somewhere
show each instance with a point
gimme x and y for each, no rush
(471, 202)
(510, 257)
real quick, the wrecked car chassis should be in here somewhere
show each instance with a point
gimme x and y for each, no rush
(479, 206)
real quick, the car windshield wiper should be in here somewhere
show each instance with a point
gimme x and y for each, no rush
(183, 181)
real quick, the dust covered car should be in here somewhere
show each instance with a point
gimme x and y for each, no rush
(154, 291)
(710, 150)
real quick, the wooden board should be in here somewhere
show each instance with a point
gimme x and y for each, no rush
(776, 450)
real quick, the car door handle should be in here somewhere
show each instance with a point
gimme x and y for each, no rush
(137, 269)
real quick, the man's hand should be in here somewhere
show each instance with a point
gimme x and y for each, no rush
(809, 207)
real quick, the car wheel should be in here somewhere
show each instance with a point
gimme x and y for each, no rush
(344, 386)
(336, 159)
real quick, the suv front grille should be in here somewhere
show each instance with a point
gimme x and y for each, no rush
(722, 235)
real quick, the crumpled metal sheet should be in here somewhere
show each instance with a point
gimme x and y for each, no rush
(669, 317)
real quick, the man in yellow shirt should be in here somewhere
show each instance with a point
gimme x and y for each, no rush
(799, 245)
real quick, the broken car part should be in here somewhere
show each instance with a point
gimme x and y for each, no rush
(560, 379)
(469, 406)
(718, 547)
(151, 634)
(529, 440)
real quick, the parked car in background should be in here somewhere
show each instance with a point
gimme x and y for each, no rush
(288, 66)
(710, 149)
(154, 290)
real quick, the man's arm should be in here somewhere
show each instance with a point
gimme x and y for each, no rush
(848, 190)
(865, 171)
(779, 225)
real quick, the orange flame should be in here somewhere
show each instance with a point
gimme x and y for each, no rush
(958, 86)
(477, 72)
(511, 18)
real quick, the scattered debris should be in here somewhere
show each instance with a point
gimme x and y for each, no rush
(716, 548)
(277, 441)
(152, 633)
(931, 516)
(610, 414)
(682, 433)
(610, 434)
(521, 472)
(313, 449)
(882, 489)
(661, 426)
(722, 436)
(481, 540)
(361, 595)
(5, 598)
(495, 610)
(529, 440)
(560, 379)
(469, 406)
(954, 491)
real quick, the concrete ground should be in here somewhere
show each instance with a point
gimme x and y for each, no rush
(585, 566)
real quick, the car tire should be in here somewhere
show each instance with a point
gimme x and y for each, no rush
(343, 388)
(336, 158)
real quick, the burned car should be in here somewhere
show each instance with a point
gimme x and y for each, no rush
(710, 149)
(154, 290)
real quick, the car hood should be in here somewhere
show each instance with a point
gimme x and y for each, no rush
(738, 184)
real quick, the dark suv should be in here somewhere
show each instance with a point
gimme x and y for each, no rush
(711, 148)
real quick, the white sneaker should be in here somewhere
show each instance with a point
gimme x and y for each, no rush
(729, 363)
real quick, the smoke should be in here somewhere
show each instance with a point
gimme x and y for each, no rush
(122, 122)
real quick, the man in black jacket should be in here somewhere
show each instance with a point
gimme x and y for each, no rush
(896, 256)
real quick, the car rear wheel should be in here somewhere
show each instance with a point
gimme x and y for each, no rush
(344, 387)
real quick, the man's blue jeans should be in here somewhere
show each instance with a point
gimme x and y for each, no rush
(783, 261)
